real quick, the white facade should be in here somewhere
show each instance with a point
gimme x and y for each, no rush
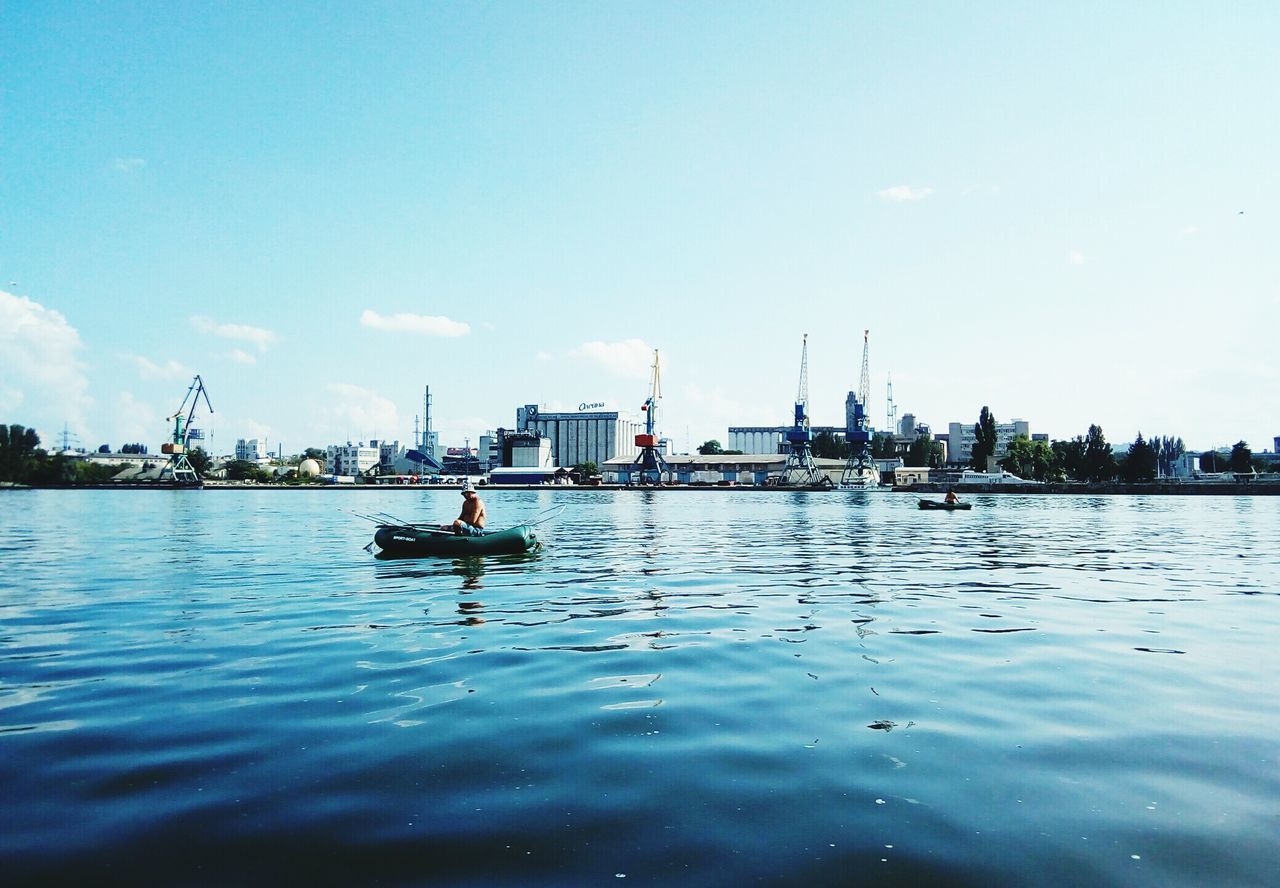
(962, 438)
(488, 454)
(250, 450)
(353, 459)
(755, 439)
(588, 435)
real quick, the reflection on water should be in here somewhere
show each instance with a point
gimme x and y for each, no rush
(694, 687)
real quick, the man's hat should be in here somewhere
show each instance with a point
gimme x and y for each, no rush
(467, 488)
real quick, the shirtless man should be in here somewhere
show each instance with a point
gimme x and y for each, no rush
(471, 521)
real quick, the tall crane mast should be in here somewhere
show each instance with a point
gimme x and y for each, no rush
(859, 468)
(802, 393)
(649, 464)
(864, 381)
(800, 469)
(891, 410)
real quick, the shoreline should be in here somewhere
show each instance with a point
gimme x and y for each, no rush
(1264, 488)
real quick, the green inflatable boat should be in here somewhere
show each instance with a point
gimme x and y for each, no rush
(415, 541)
(945, 507)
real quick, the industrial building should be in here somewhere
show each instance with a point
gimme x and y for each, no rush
(770, 439)
(249, 450)
(729, 469)
(593, 433)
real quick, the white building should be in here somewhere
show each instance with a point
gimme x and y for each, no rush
(532, 453)
(250, 450)
(961, 439)
(591, 434)
(353, 459)
(489, 454)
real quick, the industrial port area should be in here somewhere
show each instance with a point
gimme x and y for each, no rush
(601, 447)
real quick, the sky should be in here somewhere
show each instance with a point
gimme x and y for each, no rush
(1065, 212)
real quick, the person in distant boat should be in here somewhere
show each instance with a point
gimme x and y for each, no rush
(951, 498)
(471, 521)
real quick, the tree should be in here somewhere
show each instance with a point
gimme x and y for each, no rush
(314, 453)
(243, 470)
(1211, 462)
(1169, 451)
(1140, 463)
(984, 439)
(883, 446)
(587, 469)
(1034, 460)
(1241, 457)
(710, 448)
(1098, 462)
(1068, 457)
(828, 446)
(925, 452)
(19, 448)
(200, 460)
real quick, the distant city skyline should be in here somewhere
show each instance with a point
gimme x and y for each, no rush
(1066, 215)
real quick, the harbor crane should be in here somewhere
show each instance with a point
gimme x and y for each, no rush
(649, 465)
(801, 470)
(860, 470)
(179, 469)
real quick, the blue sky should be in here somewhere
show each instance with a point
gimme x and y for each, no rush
(1066, 213)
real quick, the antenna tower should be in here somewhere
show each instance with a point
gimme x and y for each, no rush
(891, 410)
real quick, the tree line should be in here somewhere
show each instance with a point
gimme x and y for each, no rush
(1090, 458)
(24, 461)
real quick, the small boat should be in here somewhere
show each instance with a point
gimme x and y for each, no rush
(414, 541)
(943, 506)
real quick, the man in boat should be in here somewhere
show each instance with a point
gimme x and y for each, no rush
(471, 521)
(951, 499)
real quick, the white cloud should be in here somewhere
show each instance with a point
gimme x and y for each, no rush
(1190, 230)
(360, 413)
(699, 413)
(128, 164)
(133, 421)
(243, 332)
(1075, 257)
(251, 428)
(631, 358)
(543, 356)
(40, 367)
(904, 192)
(240, 356)
(412, 323)
(148, 369)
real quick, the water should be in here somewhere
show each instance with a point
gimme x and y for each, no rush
(698, 688)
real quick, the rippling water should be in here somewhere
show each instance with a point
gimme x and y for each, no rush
(715, 688)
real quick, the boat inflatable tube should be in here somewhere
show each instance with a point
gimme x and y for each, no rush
(417, 542)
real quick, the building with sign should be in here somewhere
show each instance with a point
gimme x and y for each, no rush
(593, 433)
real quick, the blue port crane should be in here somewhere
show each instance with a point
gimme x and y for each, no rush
(859, 469)
(650, 466)
(179, 469)
(800, 469)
